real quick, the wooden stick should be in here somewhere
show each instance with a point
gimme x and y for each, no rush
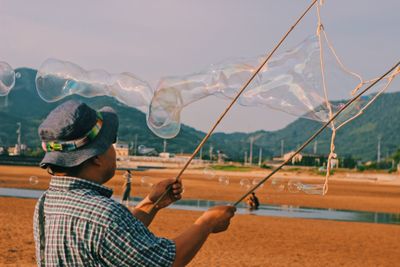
(233, 102)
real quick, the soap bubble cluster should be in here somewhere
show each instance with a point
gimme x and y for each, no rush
(296, 186)
(291, 81)
(7, 78)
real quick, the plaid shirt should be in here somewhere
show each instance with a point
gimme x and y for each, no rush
(85, 227)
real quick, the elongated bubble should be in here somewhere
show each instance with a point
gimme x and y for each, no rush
(291, 82)
(57, 79)
(7, 78)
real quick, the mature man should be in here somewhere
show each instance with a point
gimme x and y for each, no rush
(76, 223)
(126, 188)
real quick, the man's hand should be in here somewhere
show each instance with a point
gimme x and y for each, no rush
(217, 218)
(173, 195)
(188, 243)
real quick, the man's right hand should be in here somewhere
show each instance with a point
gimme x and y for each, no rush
(217, 218)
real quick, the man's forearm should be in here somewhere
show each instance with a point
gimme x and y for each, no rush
(189, 243)
(144, 211)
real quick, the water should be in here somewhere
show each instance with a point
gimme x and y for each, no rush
(264, 210)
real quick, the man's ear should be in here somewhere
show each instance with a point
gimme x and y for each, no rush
(96, 160)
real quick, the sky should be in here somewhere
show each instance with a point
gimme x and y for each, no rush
(154, 39)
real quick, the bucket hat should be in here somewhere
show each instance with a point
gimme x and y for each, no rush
(74, 132)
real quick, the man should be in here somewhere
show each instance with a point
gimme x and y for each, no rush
(76, 223)
(126, 188)
(253, 202)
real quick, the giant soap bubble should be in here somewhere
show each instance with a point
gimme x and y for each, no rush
(57, 79)
(290, 82)
(7, 78)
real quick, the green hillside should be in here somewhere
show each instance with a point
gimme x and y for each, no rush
(358, 138)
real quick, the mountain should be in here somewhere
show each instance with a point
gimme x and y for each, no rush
(359, 138)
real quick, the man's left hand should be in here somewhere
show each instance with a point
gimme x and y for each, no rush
(173, 195)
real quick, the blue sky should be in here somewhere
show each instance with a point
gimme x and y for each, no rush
(153, 39)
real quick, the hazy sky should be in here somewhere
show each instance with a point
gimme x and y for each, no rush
(160, 38)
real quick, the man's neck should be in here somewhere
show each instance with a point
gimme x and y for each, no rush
(84, 174)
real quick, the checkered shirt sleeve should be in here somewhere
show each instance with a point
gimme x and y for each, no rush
(128, 242)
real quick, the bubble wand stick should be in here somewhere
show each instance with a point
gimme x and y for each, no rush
(315, 135)
(233, 102)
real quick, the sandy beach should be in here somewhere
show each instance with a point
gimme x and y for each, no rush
(251, 240)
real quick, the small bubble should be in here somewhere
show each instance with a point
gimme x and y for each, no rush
(222, 180)
(256, 181)
(7, 78)
(146, 181)
(209, 173)
(33, 180)
(245, 184)
(313, 189)
(17, 75)
(294, 186)
(278, 185)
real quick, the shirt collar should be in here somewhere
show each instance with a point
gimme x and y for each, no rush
(65, 183)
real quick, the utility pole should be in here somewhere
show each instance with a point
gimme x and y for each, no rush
(251, 151)
(378, 156)
(18, 152)
(211, 152)
(201, 153)
(282, 144)
(315, 147)
(260, 157)
(165, 145)
(245, 158)
(135, 145)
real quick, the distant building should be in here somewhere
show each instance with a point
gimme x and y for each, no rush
(16, 150)
(164, 155)
(221, 157)
(334, 163)
(3, 150)
(121, 150)
(147, 151)
(295, 159)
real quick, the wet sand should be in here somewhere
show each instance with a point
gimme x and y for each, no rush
(251, 240)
